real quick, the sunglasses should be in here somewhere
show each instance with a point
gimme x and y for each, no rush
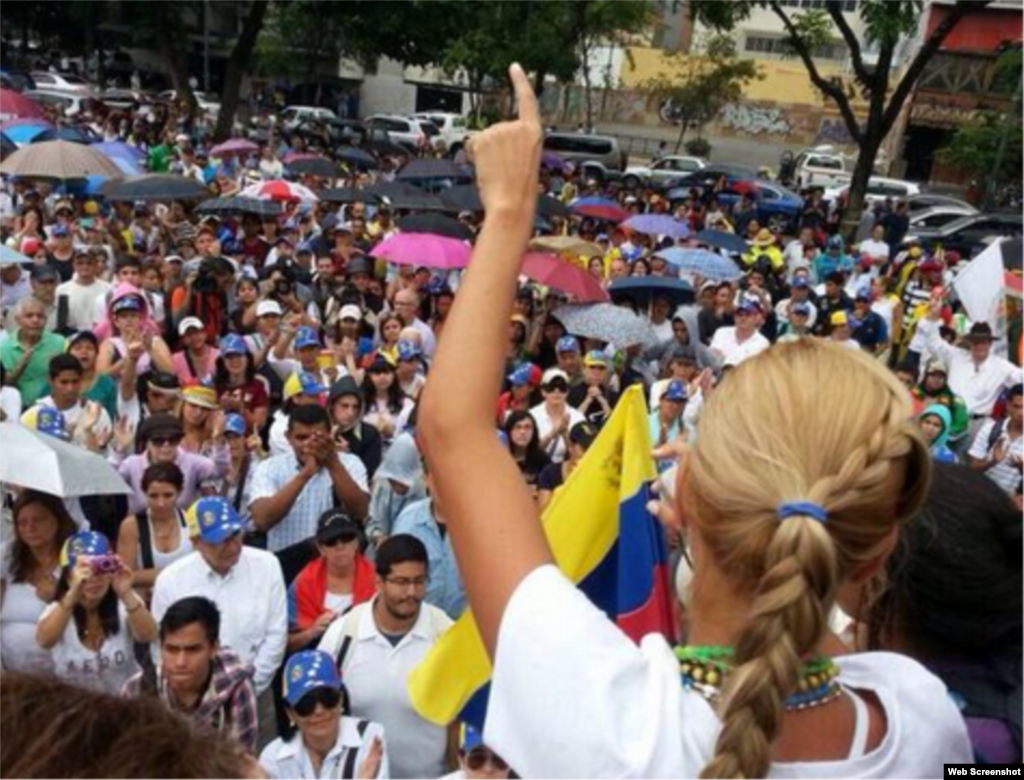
(557, 386)
(343, 539)
(160, 441)
(477, 758)
(330, 698)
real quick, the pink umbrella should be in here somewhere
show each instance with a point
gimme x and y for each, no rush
(234, 146)
(423, 249)
(291, 157)
(279, 189)
(551, 270)
(14, 105)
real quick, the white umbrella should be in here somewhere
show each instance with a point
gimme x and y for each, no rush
(47, 464)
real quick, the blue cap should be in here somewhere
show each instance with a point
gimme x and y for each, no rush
(307, 671)
(83, 543)
(364, 346)
(521, 375)
(52, 422)
(302, 383)
(567, 344)
(863, 294)
(291, 224)
(127, 303)
(470, 738)
(234, 423)
(303, 247)
(801, 281)
(59, 230)
(800, 307)
(835, 242)
(306, 336)
(213, 519)
(676, 391)
(407, 350)
(233, 344)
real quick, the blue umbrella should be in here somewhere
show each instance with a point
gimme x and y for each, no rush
(616, 325)
(702, 262)
(75, 135)
(7, 146)
(119, 150)
(730, 242)
(9, 257)
(657, 225)
(644, 289)
(24, 132)
(360, 158)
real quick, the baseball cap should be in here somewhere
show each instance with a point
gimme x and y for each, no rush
(83, 543)
(306, 336)
(567, 344)
(334, 523)
(200, 395)
(583, 434)
(302, 383)
(232, 344)
(59, 231)
(800, 281)
(43, 273)
(801, 308)
(48, 420)
(307, 671)
(82, 335)
(839, 318)
(554, 373)
(190, 323)
(470, 738)
(213, 519)
(264, 308)
(174, 259)
(163, 382)
(676, 391)
(936, 365)
(524, 374)
(160, 425)
(129, 303)
(350, 312)
(863, 294)
(914, 251)
(234, 423)
(357, 265)
(407, 350)
(596, 358)
(749, 304)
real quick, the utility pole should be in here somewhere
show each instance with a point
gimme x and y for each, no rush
(206, 46)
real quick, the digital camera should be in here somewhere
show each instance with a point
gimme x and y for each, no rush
(104, 564)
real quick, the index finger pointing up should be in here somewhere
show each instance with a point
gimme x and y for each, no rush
(528, 111)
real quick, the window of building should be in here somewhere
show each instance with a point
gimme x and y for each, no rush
(777, 46)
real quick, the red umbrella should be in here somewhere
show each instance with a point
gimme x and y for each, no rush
(14, 105)
(551, 270)
(605, 211)
(279, 189)
(423, 249)
(234, 146)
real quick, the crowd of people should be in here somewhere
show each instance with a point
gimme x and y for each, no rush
(283, 555)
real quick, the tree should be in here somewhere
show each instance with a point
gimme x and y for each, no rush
(238, 65)
(976, 148)
(699, 85)
(887, 23)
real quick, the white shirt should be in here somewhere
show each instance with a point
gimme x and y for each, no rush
(876, 250)
(251, 599)
(782, 311)
(979, 386)
(72, 416)
(105, 670)
(291, 759)
(555, 449)
(572, 696)
(83, 301)
(375, 673)
(1002, 473)
(21, 610)
(734, 352)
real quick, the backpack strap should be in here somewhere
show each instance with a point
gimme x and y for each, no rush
(145, 540)
(349, 626)
(351, 754)
(995, 433)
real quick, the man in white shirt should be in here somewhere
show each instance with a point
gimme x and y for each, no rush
(999, 447)
(555, 417)
(83, 291)
(875, 248)
(245, 584)
(799, 292)
(88, 422)
(407, 306)
(743, 340)
(379, 643)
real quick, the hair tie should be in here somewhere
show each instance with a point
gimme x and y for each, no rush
(807, 508)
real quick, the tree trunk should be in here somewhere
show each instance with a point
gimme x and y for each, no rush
(238, 64)
(859, 183)
(178, 67)
(684, 125)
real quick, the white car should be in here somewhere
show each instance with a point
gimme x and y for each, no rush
(402, 130)
(879, 188)
(662, 171)
(939, 216)
(293, 116)
(61, 82)
(70, 104)
(452, 128)
(207, 103)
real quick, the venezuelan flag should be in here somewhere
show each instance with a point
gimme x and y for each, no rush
(602, 537)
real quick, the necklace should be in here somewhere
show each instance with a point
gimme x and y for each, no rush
(705, 668)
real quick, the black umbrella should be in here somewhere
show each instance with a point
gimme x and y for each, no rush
(75, 135)
(7, 146)
(428, 168)
(463, 197)
(419, 202)
(730, 242)
(437, 224)
(315, 166)
(391, 189)
(348, 195)
(643, 289)
(552, 207)
(156, 186)
(235, 205)
(360, 158)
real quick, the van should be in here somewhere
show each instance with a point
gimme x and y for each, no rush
(580, 147)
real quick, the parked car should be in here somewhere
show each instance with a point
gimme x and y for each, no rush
(122, 99)
(293, 116)
(818, 168)
(69, 104)
(16, 80)
(580, 147)
(402, 130)
(598, 171)
(937, 216)
(660, 171)
(775, 207)
(879, 189)
(970, 234)
(62, 82)
(453, 128)
(928, 200)
(208, 104)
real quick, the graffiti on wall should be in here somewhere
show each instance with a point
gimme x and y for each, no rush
(833, 130)
(754, 119)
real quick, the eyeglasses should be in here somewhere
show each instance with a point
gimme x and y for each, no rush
(330, 698)
(343, 539)
(478, 757)
(161, 441)
(408, 582)
(556, 386)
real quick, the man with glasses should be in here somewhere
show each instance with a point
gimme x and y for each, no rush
(376, 646)
(554, 416)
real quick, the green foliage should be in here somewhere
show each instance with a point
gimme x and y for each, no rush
(886, 20)
(975, 147)
(698, 147)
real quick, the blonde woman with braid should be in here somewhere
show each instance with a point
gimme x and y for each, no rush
(804, 468)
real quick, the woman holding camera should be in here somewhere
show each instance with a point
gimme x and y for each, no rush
(90, 627)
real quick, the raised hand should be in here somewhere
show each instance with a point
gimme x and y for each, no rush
(369, 767)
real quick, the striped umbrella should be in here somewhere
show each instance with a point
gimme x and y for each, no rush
(281, 190)
(58, 160)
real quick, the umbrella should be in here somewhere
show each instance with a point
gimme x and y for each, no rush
(423, 249)
(348, 195)
(389, 189)
(599, 208)
(9, 257)
(552, 207)
(315, 166)
(644, 289)
(730, 242)
(14, 104)
(702, 262)
(657, 225)
(438, 224)
(552, 161)
(418, 202)
(551, 270)
(234, 146)
(157, 186)
(463, 197)
(567, 245)
(116, 150)
(360, 158)
(58, 160)
(22, 131)
(75, 135)
(238, 205)
(41, 462)
(294, 156)
(605, 322)
(279, 189)
(427, 168)
(7, 146)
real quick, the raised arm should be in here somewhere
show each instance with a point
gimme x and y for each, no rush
(490, 513)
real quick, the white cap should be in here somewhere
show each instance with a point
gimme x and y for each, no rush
(263, 308)
(174, 259)
(554, 373)
(188, 323)
(351, 312)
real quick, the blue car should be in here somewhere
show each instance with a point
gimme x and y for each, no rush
(777, 208)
